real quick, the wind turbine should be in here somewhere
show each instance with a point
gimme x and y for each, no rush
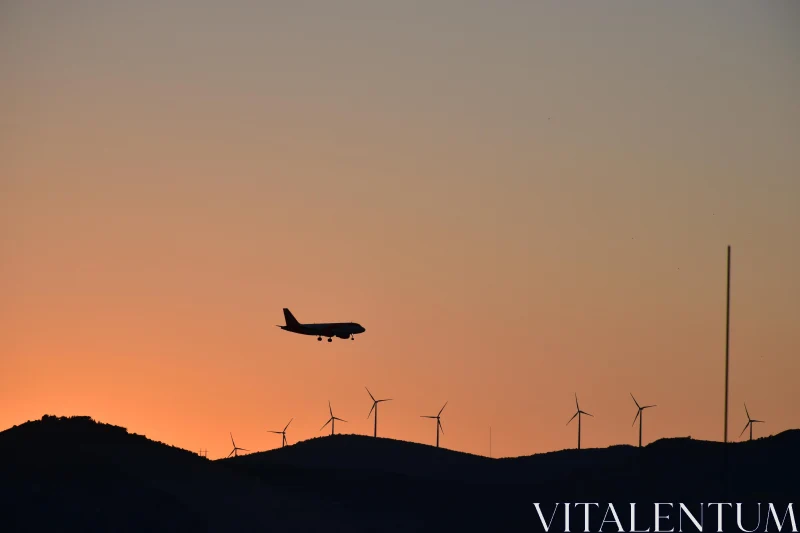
(375, 407)
(438, 423)
(750, 422)
(578, 413)
(235, 450)
(332, 420)
(283, 433)
(640, 416)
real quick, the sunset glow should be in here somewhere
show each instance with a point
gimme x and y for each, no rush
(518, 201)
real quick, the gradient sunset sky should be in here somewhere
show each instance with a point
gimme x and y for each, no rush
(518, 200)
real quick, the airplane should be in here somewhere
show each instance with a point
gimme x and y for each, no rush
(343, 330)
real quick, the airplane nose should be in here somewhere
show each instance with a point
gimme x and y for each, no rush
(363, 329)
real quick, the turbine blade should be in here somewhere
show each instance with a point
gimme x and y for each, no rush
(442, 409)
(287, 425)
(635, 418)
(649, 406)
(339, 419)
(761, 421)
(578, 407)
(330, 408)
(326, 423)
(745, 410)
(426, 416)
(278, 432)
(244, 449)
(441, 426)
(573, 417)
(370, 394)
(587, 414)
(634, 399)
(234, 444)
(386, 400)
(371, 408)
(745, 427)
(231, 452)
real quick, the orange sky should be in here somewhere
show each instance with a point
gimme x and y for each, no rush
(518, 202)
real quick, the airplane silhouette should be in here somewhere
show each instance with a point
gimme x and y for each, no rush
(343, 330)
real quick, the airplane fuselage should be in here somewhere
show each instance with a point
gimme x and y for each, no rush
(342, 330)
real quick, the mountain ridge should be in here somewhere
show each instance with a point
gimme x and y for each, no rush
(83, 475)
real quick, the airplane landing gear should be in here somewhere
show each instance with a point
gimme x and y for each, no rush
(319, 338)
(330, 339)
(352, 337)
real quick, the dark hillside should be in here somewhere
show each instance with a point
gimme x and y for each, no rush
(74, 474)
(473, 491)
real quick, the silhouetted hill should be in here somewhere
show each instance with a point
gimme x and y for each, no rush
(358, 454)
(437, 483)
(73, 474)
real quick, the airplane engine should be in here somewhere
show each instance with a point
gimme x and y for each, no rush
(343, 336)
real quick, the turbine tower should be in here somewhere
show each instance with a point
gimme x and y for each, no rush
(750, 422)
(438, 422)
(578, 413)
(235, 451)
(283, 433)
(332, 420)
(375, 408)
(640, 416)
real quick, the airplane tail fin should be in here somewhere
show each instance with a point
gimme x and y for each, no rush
(290, 319)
